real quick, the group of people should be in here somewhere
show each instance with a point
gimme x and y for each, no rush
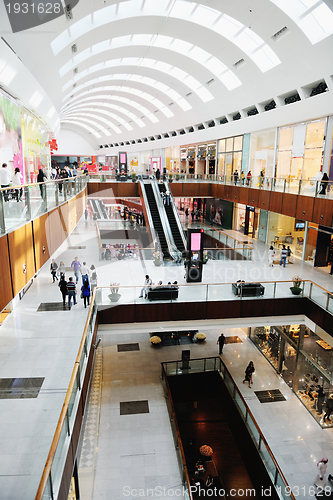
(8, 180)
(120, 251)
(148, 285)
(68, 288)
(284, 257)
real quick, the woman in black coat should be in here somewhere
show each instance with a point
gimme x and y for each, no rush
(41, 177)
(248, 374)
(63, 288)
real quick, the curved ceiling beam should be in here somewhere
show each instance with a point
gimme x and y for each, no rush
(192, 83)
(102, 112)
(99, 127)
(86, 127)
(96, 117)
(314, 18)
(142, 80)
(244, 38)
(197, 54)
(125, 100)
(126, 90)
(125, 111)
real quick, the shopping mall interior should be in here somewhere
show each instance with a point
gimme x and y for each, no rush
(183, 153)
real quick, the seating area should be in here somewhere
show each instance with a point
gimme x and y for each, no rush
(241, 289)
(167, 292)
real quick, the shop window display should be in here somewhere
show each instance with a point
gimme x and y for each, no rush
(304, 361)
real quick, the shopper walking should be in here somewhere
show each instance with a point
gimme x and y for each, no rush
(17, 182)
(248, 374)
(41, 177)
(75, 265)
(93, 278)
(53, 269)
(71, 291)
(63, 288)
(84, 272)
(320, 479)
(220, 342)
(329, 408)
(62, 269)
(284, 254)
(5, 179)
(271, 253)
(320, 400)
(85, 293)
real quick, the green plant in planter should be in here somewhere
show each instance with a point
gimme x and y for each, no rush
(200, 337)
(114, 296)
(158, 259)
(177, 177)
(155, 340)
(133, 177)
(296, 288)
(170, 177)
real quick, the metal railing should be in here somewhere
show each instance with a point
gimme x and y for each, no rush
(21, 204)
(170, 368)
(287, 184)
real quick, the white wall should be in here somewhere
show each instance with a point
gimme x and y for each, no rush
(71, 143)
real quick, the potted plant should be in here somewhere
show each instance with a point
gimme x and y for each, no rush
(133, 177)
(155, 340)
(170, 177)
(200, 337)
(205, 257)
(296, 288)
(157, 256)
(114, 296)
(177, 177)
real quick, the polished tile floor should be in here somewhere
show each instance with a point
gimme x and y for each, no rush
(44, 345)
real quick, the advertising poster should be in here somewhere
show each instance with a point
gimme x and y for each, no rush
(10, 134)
(35, 145)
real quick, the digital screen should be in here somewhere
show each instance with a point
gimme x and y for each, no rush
(300, 225)
(195, 241)
(195, 256)
(122, 157)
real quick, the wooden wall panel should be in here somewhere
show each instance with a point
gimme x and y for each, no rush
(304, 207)
(66, 476)
(251, 308)
(243, 195)
(21, 251)
(127, 189)
(205, 189)
(264, 200)
(275, 202)
(41, 239)
(103, 189)
(65, 224)
(289, 204)
(54, 226)
(108, 315)
(253, 197)
(220, 191)
(322, 212)
(153, 312)
(176, 189)
(188, 311)
(191, 189)
(214, 190)
(228, 193)
(223, 309)
(6, 291)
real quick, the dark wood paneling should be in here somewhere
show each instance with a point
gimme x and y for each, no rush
(188, 310)
(77, 427)
(220, 191)
(243, 195)
(292, 305)
(205, 189)
(191, 189)
(228, 193)
(116, 314)
(275, 203)
(251, 308)
(128, 189)
(223, 309)
(176, 189)
(6, 291)
(21, 251)
(264, 199)
(152, 312)
(213, 190)
(105, 189)
(66, 476)
(41, 239)
(304, 207)
(253, 197)
(289, 204)
(322, 212)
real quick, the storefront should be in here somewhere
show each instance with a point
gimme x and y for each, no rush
(305, 361)
(229, 156)
(262, 146)
(288, 231)
(319, 247)
(246, 219)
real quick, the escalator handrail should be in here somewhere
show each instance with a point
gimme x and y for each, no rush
(173, 250)
(176, 215)
(149, 216)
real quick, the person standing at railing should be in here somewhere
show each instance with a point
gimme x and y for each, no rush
(17, 181)
(242, 177)
(41, 177)
(261, 178)
(324, 184)
(248, 178)
(5, 179)
(236, 177)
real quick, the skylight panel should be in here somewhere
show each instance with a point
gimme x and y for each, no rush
(98, 47)
(204, 94)
(182, 9)
(248, 41)
(192, 82)
(137, 40)
(162, 66)
(265, 58)
(183, 104)
(205, 15)
(215, 66)
(103, 16)
(199, 54)
(318, 24)
(181, 46)
(51, 112)
(91, 130)
(228, 27)
(162, 41)
(104, 120)
(178, 73)
(36, 98)
(230, 80)
(153, 7)
(7, 74)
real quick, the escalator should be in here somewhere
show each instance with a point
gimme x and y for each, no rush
(156, 220)
(172, 222)
(102, 209)
(95, 209)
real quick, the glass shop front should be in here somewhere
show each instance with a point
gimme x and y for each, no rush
(304, 359)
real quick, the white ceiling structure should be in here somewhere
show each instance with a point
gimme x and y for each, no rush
(125, 71)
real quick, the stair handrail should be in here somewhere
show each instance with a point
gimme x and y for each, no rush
(149, 216)
(176, 214)
(173, 250)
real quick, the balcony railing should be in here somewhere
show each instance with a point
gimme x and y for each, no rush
(305, 187)
(21, 204)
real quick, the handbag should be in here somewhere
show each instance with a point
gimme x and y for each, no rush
(81, 295)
